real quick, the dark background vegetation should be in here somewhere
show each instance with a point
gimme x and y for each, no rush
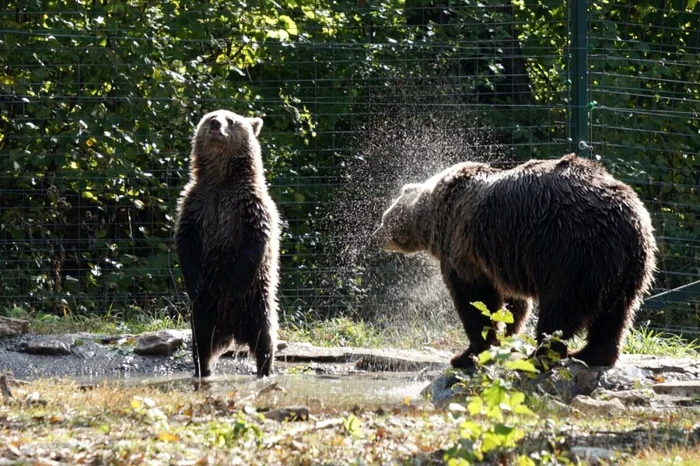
(98, 100)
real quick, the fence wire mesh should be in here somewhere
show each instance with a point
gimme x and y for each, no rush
(99, 100)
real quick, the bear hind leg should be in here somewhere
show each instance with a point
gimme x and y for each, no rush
(257, 329)
(202, 340)
(605, 336)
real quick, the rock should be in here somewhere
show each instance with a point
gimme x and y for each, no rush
(365, 358)
(440, 391)
(293, 413)
(160, 343)
(115, 339)
(11, 327)
(589, 406)
(627, 397)
(564, 382)
(624, 377)
(51, 346)
(585, 379)
(237, 350)
(306, 352)
(668, 368)
(593, 455)
(678, 388)
(397, 363)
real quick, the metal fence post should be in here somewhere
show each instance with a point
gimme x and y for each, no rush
(579, 77)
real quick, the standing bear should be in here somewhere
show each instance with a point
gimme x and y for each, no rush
(227, 242)
(563, 232)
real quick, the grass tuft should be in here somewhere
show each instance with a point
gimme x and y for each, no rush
(339, 331)
(644, 340)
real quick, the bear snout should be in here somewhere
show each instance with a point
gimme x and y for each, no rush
(381, 239)
(215, 126)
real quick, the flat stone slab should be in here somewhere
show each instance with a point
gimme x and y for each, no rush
(369, 359)
(680, 388)
(626, 397)
(671, 368)
(11, 327)
(590, 405)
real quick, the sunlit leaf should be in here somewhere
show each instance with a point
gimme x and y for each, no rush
(482, 307)
(521, 365)
(503, 315)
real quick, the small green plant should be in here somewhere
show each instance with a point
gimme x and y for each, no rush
(340, 331)
(352, 425)
(228, 434)
(14, 312)
(495, 416)
(130, 320)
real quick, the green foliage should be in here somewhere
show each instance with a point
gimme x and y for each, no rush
(238, 430)
(352, 425)
(643, 340)
(495, 418)
(128, 320)
(643, 61)
(99, 103)
(339, 331)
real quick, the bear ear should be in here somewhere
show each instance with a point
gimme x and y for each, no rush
(410, 188)
(256, 123)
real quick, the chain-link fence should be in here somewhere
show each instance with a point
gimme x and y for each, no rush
(98, 102)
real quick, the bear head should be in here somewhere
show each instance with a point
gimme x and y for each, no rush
(227, 129)
(401, 229)
(221, 137)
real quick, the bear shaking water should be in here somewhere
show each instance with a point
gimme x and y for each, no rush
(227, 243)
(564, 232)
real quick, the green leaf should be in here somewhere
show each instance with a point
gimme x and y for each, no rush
(469, 429)
(482, 307)
(495, 394)
(522, 409)
(503, 315)
(490, 442)
(475, 406)
(352, 425)
(521, 365)
(502, 429)
(289, 25)
(485, 356)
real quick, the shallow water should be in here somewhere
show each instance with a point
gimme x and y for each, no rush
(349, 389)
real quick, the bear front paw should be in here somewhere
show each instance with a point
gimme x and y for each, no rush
(466, 360)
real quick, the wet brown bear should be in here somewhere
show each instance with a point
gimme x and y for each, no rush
(227, 243)
(562, 231)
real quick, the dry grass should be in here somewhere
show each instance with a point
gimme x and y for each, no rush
(59, 420)
(678, 456)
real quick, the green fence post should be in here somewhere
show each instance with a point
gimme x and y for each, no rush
(579, 77)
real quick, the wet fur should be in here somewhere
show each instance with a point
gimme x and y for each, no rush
(227, 242)
(563, 232)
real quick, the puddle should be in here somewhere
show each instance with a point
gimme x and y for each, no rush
(345, 390)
